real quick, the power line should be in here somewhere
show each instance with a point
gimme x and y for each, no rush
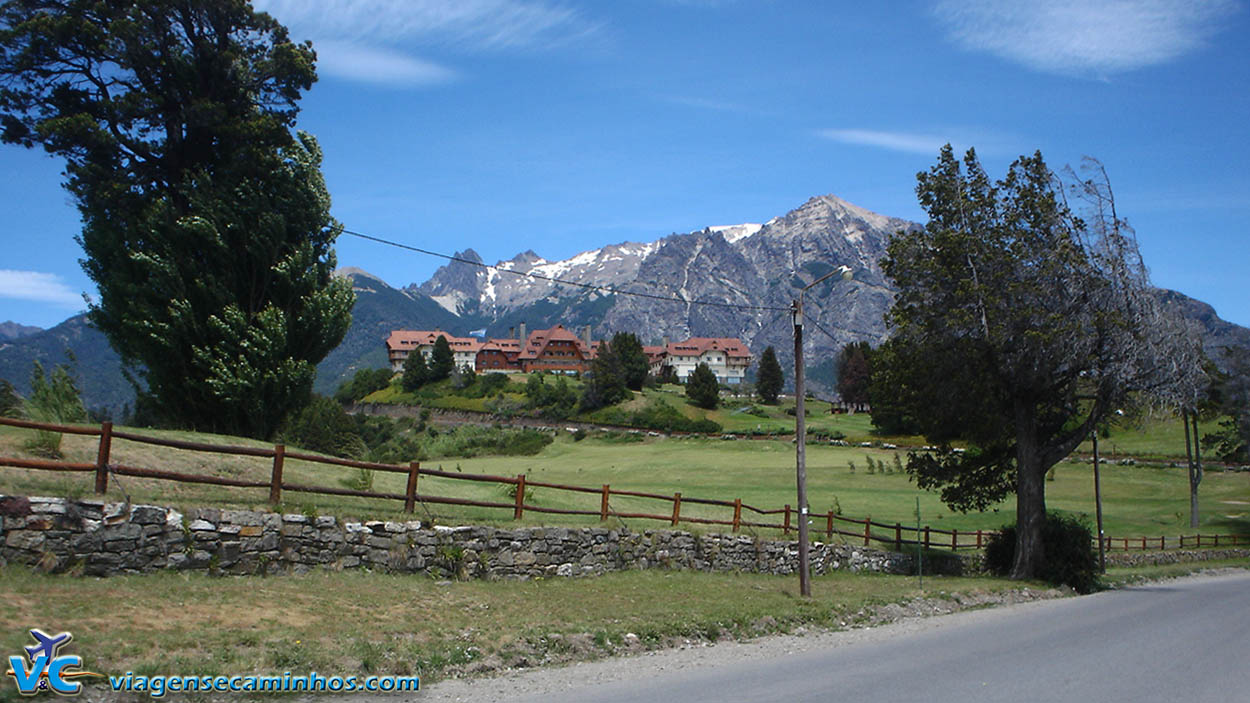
(588, 286)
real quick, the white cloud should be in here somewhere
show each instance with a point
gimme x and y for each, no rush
(38, 287)
(476, 24)
(378, 65)
(378, 40)
(1084, 36)
(894, 141)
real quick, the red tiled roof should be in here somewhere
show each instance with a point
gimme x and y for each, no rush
(539, 339)
(412, 339)
(696, 346)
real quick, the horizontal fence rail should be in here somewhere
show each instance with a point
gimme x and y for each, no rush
(830, 524)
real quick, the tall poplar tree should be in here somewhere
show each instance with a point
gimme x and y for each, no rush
(206, 222)
(769, 379)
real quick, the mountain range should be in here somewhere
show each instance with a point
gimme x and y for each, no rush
(725, 281)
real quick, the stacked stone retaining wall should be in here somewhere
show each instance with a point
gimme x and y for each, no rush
(101, 538)
(1174, 556)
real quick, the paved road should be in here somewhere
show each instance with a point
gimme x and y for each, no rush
(1183, 640)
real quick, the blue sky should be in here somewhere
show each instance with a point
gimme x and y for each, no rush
(506, 125)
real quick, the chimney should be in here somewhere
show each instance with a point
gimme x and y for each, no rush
(523, 337)
(586, 336)
(511, 333)
(665, 342)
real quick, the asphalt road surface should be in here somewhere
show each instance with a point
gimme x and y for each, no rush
(1183, 640)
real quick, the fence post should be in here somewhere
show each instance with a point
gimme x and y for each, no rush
(898, 537)
(954, 539)
(603, 503)
(926, 536)
(978, 538)
(520, 497)
(676, 508)
(410, 493)
(102, 458)
(737, 513)
(867, 530)
(275, 479)
(786, 529)
(829, 526)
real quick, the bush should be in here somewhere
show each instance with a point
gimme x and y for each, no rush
(468, 441)
(1068, 543)
(323, 426)
(656, 415)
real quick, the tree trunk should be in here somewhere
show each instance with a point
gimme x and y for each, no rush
(1189, 461)
(1030, 497)
(1195, 474)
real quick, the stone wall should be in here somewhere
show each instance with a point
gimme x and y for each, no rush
(1174, 556)
(99, 538)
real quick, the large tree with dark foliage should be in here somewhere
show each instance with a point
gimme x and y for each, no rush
(634, 364)
(442, 359)
(605, 384)
(769, 379)
(1017, 327)
(206, 223)
(702, 387)
(854, 374)
(1229, 397)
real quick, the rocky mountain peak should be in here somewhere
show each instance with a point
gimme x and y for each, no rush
(456, 286)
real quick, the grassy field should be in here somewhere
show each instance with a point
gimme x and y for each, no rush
(355, 622)
(1138, 500)
(1159, 437)
(358, 622)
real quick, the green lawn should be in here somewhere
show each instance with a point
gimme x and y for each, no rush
(1159, 437)
(1138, 500)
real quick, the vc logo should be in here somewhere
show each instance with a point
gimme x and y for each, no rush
(45, 668)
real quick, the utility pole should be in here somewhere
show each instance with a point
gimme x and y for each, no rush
(1102, 551)
(800, 431)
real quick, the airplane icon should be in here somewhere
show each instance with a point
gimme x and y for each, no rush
(48, 644)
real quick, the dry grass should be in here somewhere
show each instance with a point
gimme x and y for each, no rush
(357, 622)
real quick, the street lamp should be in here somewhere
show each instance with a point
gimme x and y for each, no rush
(800, 428)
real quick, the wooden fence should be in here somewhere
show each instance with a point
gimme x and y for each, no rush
(896, 534)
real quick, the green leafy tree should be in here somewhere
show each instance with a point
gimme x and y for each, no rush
(634, 364)
(1229, 396)
(10, 401)
(769, 379)
(1018, 327)
(463, 377)
(556, 400)
(855, 374)
(442, 360)
(364, 382)
(206, 223)
(323, 426)
(416, 374)
(56, 400)
(702, 388)
(606, 383)
(892, 402)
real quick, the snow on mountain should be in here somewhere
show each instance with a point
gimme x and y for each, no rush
(733, 233)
